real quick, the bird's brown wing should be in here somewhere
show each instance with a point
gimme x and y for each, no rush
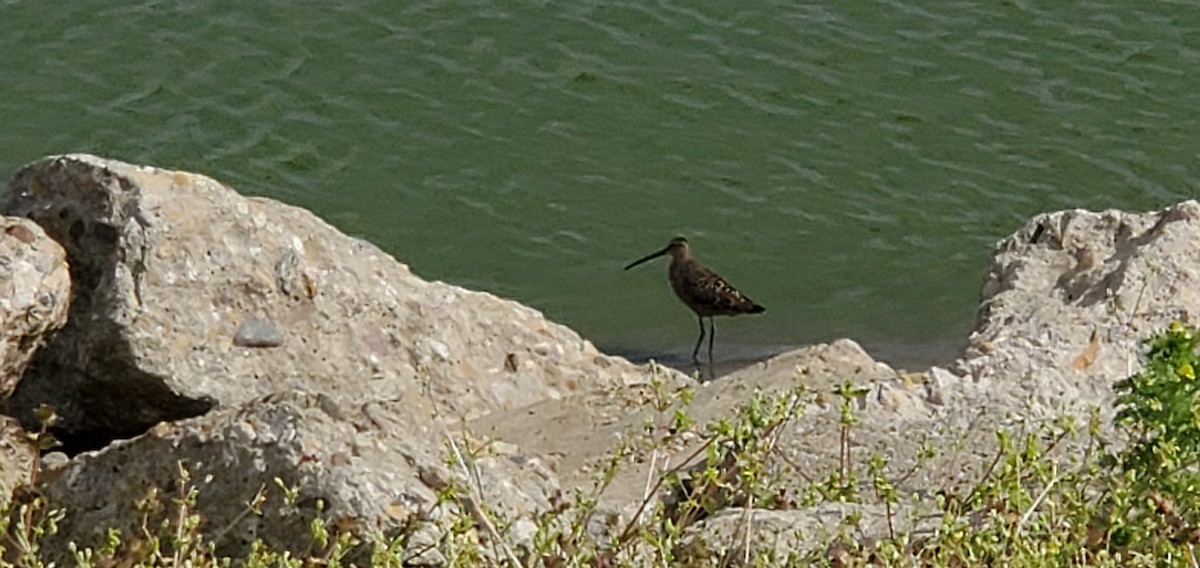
(715, 296)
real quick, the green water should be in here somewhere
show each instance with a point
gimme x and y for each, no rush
(849, 165)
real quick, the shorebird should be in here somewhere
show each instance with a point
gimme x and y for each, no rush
(703, 290)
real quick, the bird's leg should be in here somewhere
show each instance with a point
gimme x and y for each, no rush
(696, 351)
(712, 334)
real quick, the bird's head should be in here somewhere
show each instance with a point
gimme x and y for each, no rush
(678, 248)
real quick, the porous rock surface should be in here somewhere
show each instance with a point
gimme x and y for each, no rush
(580, 431)
(374, 469)
(35, 291)
(740, 537)
(17, 456)
(189, 296)
(898, 418)
(1070, 296)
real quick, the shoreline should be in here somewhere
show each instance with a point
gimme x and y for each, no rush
(913, 357)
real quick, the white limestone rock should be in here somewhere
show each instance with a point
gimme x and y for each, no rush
(190, 296)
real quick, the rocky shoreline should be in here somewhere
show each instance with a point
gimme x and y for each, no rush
(170, 322)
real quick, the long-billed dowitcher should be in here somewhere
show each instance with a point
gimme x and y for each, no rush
(703, 290)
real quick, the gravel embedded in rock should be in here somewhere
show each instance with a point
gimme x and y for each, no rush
(255, 332)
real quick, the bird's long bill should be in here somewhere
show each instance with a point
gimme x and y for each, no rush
(649, 257)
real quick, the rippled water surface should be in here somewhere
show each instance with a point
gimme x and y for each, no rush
(849, 165)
